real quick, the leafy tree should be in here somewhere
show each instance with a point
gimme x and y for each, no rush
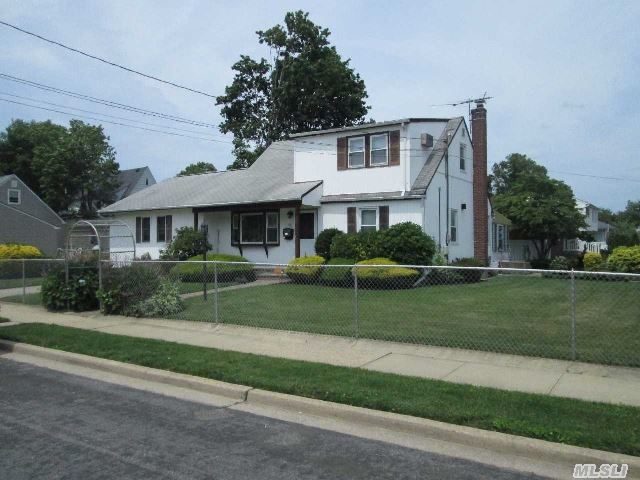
(61, 165)
(542, 209)
(631, 214)
(623, 235)
(305, 85)
(188, 242)
(197, 169)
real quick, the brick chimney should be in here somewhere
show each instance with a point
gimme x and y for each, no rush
(480, 199)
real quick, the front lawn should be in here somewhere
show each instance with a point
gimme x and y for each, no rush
(575, 422)
(524, 315)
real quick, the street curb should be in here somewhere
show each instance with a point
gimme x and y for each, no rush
(495, 441)
(205, 385)
(500, 443)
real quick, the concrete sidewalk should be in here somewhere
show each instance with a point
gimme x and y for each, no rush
(509, 372)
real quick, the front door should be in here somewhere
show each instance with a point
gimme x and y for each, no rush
(308, 232)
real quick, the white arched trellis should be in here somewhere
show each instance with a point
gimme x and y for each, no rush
(101, 239)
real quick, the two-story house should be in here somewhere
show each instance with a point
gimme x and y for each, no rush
(365, 177)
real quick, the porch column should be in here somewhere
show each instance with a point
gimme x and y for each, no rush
(297, 231)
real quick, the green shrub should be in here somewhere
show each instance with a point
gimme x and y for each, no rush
(124, 287)
(540, 264)
(78, 294)
(559, 263)
(625, 259)
(304, 269)
(354, 245)
(190, 271)
(338, 276)
(593, 262)
(406, 243)
(464, 275)
(323, 242)
(187, 243)
(164, 302)
(384, 277)
(15, 251)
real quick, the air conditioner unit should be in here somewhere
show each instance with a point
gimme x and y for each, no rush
(426, 140)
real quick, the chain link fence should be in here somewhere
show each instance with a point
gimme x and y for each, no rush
(586, 316)
(20, 280)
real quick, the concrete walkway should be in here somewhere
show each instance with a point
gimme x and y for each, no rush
(258, 283)
(510, 372)
(10, 292)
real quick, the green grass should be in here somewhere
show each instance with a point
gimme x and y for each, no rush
(523, 315)
(575, 422)
(17, 282)
(190, 287)
(29, 299)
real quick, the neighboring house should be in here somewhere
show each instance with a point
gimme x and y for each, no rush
(366, 177)
(25, 218)
(599, 231)
(133, 180)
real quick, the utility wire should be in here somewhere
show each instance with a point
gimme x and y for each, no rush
(108, 62)
(102, 101)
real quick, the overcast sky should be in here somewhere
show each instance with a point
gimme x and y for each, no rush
(565, 75)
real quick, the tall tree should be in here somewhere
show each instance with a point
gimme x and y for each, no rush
(197, 169)
(541, 208)
(304, 86)
(61, 165)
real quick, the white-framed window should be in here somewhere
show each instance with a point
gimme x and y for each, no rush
(379, 154)
(500, 237)
(164, 229)
(453, 226)
(356, 152)
(14, 196)
(143, 229)
(255, 228)
(463, 157)
(251, 228)
(368, 219)
(272, 227)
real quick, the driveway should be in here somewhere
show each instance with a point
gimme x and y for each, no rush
(56, 425)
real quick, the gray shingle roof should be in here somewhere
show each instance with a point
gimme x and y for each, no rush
(363, 197)
(269, 179)
(437, 154)
(364, 126)
(127, 180)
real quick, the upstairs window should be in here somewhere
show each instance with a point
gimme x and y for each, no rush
(14, 196)
(463, 155)
(143, 229)
(379, 150)
(356, 152)
(164, 229)
(368, 220)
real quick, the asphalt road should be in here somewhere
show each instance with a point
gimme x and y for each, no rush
(55, 425)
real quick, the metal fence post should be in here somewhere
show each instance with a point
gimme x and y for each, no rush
(24, 282)
(356, 312)
(573, 315)
(215, 291)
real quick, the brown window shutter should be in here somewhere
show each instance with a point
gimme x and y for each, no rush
(367, 151)
(394, 147)
(383, 213)
(342, 153)
(351, 220)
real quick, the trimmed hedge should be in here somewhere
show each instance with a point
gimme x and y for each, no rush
(188, 271)
(14, 250)
(593, 262)
(385, 277)
(304, 269)
(338, 276)
(625, 259)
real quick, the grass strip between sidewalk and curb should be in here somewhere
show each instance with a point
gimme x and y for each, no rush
(574, 422)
